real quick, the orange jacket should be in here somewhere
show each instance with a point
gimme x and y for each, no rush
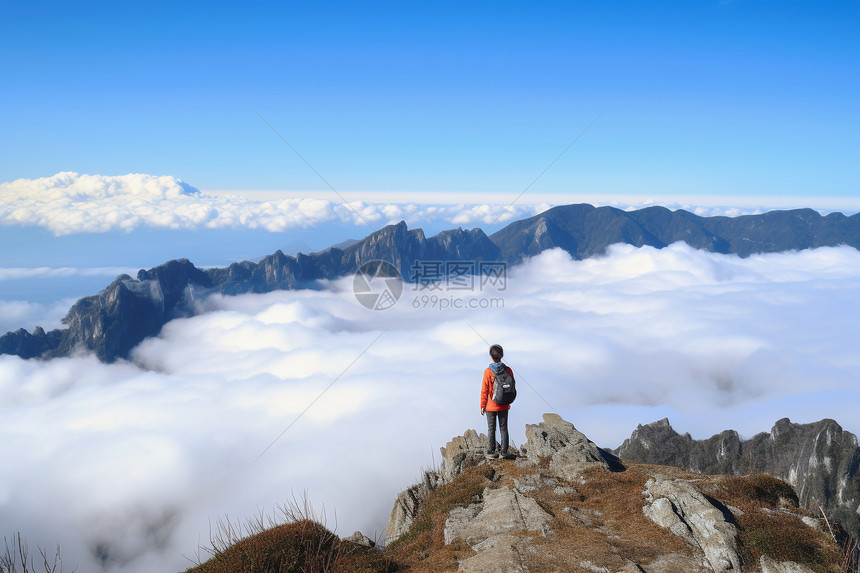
(487, 392)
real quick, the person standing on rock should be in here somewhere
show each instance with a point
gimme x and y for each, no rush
(493, 410)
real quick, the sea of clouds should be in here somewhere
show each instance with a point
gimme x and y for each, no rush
(263, 397)
(69, 203)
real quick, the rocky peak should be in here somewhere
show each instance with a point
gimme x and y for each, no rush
(567, 505)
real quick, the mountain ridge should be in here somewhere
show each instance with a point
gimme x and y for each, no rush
(820, 460)
(112, 322)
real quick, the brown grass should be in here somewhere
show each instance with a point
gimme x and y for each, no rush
(602, 523)
(423, 547)
(771, 523)
(302, 546)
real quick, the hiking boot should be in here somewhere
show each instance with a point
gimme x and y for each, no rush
(492, 455)
(508, 456)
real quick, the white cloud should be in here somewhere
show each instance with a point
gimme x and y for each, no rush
(136, 459)
(69, 203)
(15, 314)
(21, 273)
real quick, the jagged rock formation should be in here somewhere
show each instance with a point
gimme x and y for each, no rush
(677, 505)
(561, 507)
(115, 320)
(820, 460)
(568, 450)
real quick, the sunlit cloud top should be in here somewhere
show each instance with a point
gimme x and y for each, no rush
(69, 203)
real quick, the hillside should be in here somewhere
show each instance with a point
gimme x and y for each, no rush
(566, 505)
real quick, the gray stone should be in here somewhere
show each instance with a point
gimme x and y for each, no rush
(496, 554)
(534, 482)
(360, 539)
(462, 452)
(769, 565)
(502, 510)
(407, 505)
(569, 450)
(678, 506)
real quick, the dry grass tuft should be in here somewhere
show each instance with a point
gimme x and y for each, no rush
(302, 546)
(603, 522)
(771, 523)
(292, 540)
(423, 547)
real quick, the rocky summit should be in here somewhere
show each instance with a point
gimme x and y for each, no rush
(564, 504)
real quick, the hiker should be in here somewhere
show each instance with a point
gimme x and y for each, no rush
(504, 393)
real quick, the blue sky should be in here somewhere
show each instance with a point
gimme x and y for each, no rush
(718, 98)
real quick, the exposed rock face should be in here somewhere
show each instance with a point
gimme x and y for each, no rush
(488, 527)
(769, 565)
(408, 503)
(568, 449)
(678, 506)
(562, 508)
(500, 511)
(460, 453)
(820, 460)
(115, 320)
(360, 539)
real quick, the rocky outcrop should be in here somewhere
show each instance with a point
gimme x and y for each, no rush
(500, 511)
(568, 450)
(820, 460)
(459, 454)
(493, 527)
(678, 506)
(561, 507)
(408, 503)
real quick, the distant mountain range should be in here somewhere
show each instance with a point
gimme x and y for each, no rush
(820, 460)
(129, 310)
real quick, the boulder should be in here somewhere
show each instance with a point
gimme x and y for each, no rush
(569, 450)
(677, 505)
(500, 553)
(360, 539)
(462, 452)
(501, 511)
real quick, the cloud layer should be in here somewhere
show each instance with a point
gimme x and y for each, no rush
(69, 203)
(126, 464)
(72, 203)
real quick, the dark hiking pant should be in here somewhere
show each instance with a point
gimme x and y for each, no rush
(491, 430)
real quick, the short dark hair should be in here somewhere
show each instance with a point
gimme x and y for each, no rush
(496, 353)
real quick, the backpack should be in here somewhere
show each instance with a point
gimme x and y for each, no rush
(504, 388)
